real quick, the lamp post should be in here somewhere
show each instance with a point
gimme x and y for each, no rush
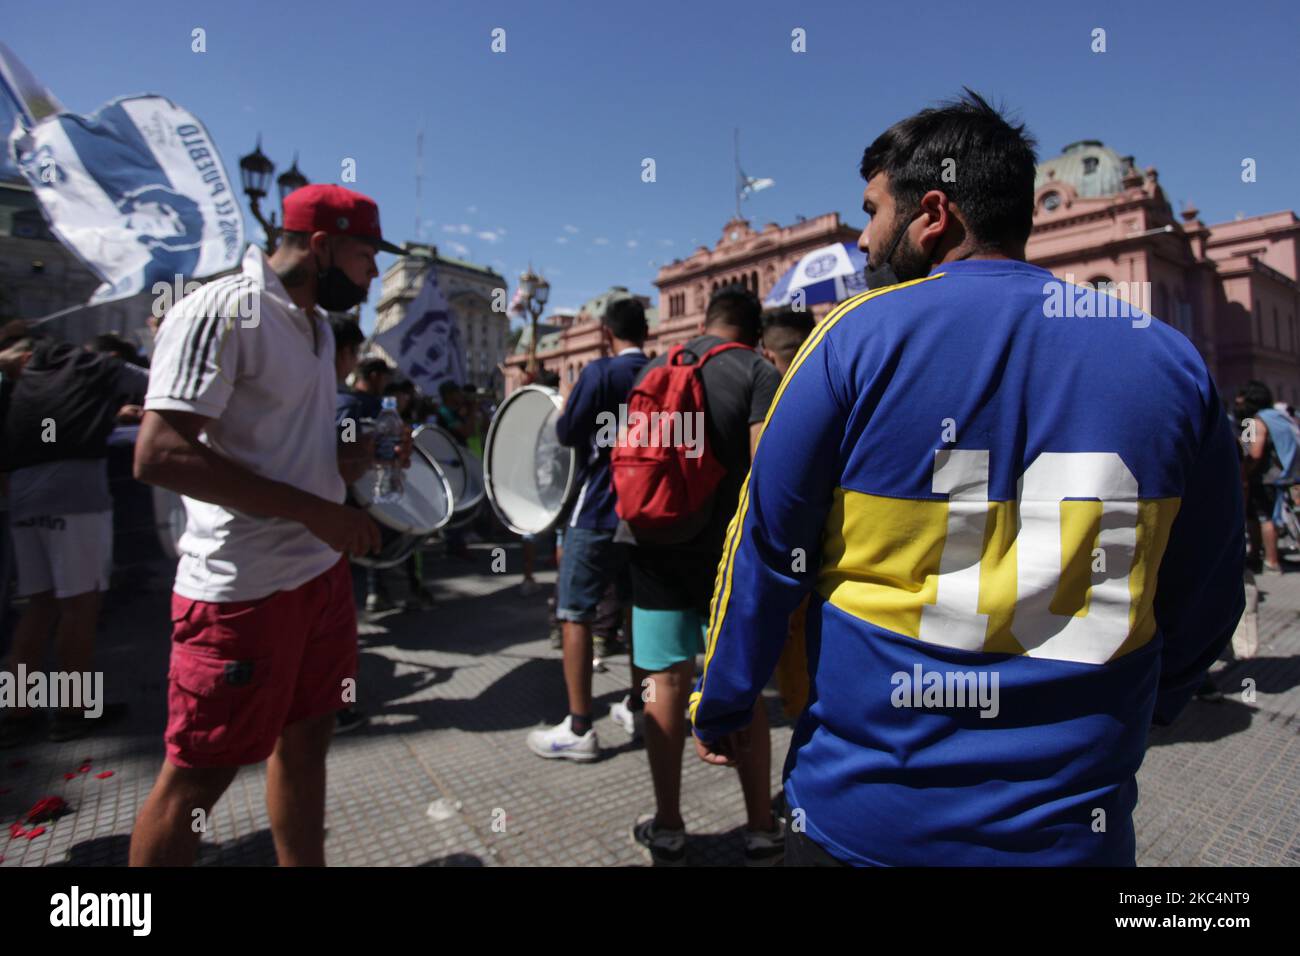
(535, 291)
(255, 171)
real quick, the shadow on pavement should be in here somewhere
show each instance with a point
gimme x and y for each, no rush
(1204, 721)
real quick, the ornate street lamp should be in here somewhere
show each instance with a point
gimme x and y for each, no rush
(535, 291)
(290, 180)
(255, 172)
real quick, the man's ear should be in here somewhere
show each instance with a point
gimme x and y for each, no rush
(319, 243)
(939, 217)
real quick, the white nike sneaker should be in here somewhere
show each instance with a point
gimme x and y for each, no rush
(632, 721)
(560, 742)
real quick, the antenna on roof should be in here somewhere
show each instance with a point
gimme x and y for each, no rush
(419, 179)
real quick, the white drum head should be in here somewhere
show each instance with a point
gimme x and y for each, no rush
(169, 520)
(463, 471)
(425, 505)
(527, 472)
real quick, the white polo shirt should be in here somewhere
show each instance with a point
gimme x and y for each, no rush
(266, 381)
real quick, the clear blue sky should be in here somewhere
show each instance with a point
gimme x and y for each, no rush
(535, 154)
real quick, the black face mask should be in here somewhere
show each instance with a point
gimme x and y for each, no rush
(882, 275)
(335, 292)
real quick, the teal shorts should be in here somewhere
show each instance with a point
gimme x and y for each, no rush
(661, 639)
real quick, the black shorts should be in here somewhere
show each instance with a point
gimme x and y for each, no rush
(803, 850)
(1263, 498)
(669, 578)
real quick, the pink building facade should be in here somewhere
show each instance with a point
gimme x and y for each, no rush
(743, 256)
(1230, 287)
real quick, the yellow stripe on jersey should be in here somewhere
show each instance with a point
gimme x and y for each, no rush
(722, 583)
(881, 555)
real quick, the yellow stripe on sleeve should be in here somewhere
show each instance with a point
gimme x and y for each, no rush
(722, 586)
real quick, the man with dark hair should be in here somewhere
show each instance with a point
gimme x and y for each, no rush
(672, 581)
(373, 375)
(1011, 573)
(1266, 474)
(59, 404)
(963, 159)
(591, 559)
(348, 339)
(240, 421)
(110, 343)
(783, 333)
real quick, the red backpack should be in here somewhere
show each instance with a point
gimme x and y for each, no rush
(657, 483)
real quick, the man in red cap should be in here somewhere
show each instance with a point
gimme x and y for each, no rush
(239, 419)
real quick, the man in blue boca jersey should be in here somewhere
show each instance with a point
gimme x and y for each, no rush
(591, 558)
(1014, 568)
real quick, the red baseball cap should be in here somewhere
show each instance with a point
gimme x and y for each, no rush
(324, 207)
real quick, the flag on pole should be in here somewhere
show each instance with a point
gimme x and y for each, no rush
(518, 306)
(426, 344)
(753, 184)
(136, 190)
(32, 97)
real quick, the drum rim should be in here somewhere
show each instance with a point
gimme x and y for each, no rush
(554, 396)
(446, 490)
(459, 506)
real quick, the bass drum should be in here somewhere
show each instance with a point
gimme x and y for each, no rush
(529, 476)
(462, 468)
(424, 507)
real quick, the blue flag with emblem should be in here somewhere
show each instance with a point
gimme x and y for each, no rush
(137, 190)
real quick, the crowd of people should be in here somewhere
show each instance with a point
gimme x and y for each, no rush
(905, 497)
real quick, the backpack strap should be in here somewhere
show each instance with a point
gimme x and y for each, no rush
(678, 350)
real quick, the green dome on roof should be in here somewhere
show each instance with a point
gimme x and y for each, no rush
(1092, 168)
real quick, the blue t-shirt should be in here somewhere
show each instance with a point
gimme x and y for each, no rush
(601, 388)
(1022, 537)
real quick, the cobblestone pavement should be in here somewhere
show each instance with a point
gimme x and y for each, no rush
(441, 776)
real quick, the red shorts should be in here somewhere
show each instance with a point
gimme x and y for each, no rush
(242, 671)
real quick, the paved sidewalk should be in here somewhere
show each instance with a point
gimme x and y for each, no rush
(442, 777)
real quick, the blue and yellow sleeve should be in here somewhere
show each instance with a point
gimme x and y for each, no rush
(773, 545)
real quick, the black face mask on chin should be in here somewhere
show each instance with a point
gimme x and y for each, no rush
(335, 292)
(882, 275)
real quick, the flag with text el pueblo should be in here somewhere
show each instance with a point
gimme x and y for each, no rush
(136, 190)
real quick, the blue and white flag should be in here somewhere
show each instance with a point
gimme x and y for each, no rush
(32, 98)
(137, 191)
(827, 274)
(426, 344)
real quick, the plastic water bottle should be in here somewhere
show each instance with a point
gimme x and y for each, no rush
(388, 433)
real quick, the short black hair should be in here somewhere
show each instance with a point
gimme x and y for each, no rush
(447, 387)
(737, 307)
(625, 319)
(347, 332)
(111, 343)
(993, 176)
(785, 330)
(404, 387)
(1255, 397)
(373, 366)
